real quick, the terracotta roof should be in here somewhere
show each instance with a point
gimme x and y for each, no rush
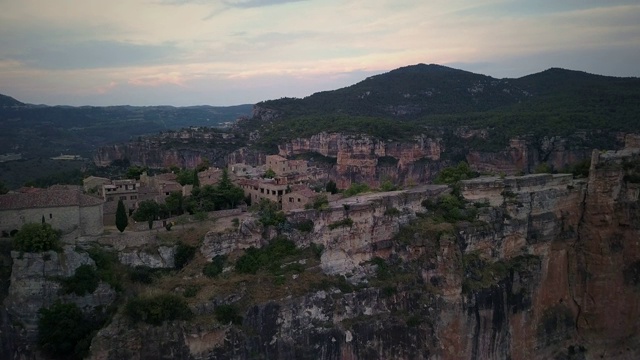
(276, 158)
(306, 192)
(47, 198)
(96, 178)
(66, 187)
(166, 176)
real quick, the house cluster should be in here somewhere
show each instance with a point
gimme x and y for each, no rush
(132, 192)
(288, 187)
(85, 210)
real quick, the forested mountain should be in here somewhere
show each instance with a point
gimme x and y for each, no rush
(417, 98)
(44, 131)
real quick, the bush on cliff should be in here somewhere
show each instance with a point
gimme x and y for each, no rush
(65, 332)
(453, 174)
(184, 254)
(155, 310)
(84, 281)
(34, 237)
(269, 256)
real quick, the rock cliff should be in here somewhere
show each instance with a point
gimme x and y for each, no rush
(364, 159)
(546, 268)
(526, 267)
(184, 148)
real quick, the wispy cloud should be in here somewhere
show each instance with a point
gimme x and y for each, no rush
(163, 51)
(257, 3)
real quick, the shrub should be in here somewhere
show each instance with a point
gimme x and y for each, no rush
(157, 309)
(226, 314)
(64, 331)
(141, 274)
(34, 237)
(85, 280)
(453, 174)
(355, 189)
(107, 265)
(305, 225)
(271, 255)
(319, 203)
(317, 249)
(184, 254)
(392, 211)
(215, 267)
(346, 222)
(191, 291)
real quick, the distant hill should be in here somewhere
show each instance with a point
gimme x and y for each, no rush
(408, 92)
(43, 131)
(421, 97)
(6, 101)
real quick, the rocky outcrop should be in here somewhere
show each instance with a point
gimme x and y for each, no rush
(185, 148)
(364, 159)
(160, 258)
(250, 233)
(357, 229)
(35, 284)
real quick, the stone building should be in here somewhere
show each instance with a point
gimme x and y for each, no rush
(66, 210)
(257, 189)
(297, 199)
(283, 167)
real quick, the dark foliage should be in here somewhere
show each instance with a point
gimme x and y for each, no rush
(84, 281)
(121, 217)
(36, 238)
(215, 267)
(184, 254)
(65, 332)
(227, 314)
(155, 310)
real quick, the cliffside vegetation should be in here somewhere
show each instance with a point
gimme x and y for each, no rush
(34, 237)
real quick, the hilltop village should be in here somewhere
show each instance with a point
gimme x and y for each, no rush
(84, 210)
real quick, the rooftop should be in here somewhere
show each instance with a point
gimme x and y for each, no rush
(47, 198)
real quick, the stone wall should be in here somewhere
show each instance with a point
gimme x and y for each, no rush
(85, 220)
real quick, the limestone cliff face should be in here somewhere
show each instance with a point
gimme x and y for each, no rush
(367, 160)
(548, 270)
(523, 155)
(34, 285)
(185, 148)
(363, 159)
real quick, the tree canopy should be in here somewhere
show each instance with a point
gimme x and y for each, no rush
(34, 237)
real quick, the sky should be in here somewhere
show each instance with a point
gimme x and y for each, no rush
(228, 52)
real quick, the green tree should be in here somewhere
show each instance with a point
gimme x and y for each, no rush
(332, 187)
(34, 237)
(196, 180)
(175, 203)
(147, 210)
(185, 177)
(453, 174)
(134, 172)
(63, 331)
(225, 181)
(121, 217)
(3, 188)
(269, 174)
(204, 165)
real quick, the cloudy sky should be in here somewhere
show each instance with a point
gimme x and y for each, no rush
(225, 52)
